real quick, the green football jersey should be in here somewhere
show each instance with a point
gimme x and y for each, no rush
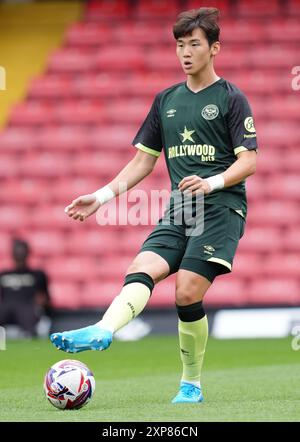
(201, 133)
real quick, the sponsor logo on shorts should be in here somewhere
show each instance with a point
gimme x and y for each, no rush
(209, 249)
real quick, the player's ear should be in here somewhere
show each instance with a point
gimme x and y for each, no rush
(215, 48)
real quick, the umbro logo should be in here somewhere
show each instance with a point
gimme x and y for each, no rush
(171, 113)
(184, 352)
(209, 249)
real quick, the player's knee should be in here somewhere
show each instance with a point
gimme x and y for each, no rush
(138, 267)
(186, 296)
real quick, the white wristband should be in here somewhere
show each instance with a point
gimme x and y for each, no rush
(104, 194)
(216, 182)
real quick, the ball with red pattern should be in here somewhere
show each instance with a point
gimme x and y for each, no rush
(69, 384)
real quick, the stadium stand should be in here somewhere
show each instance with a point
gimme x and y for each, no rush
(74, 129)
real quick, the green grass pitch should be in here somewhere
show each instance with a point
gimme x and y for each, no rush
(243, 380)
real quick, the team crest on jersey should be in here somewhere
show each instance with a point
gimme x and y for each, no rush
(249, 124)
(210, 112)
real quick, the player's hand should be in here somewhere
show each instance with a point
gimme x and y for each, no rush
(82, 207)
(195, 185)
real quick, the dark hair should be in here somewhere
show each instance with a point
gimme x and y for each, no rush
(203, 18)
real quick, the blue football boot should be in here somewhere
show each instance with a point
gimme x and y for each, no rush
(88, 338)
(188, 393)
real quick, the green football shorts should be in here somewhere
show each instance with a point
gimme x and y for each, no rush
(208, 254)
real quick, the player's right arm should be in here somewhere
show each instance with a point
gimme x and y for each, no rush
(148, 141)
(135, 171)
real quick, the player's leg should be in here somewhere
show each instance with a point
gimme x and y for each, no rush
(192, 327)
(146, 269)
(160, 255)
(207, 256)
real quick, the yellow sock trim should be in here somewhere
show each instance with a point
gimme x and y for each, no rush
(192, 340)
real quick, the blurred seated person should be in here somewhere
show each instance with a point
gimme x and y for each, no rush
(24, 296)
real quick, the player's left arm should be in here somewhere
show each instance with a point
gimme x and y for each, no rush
(244, 166)
(243, 135)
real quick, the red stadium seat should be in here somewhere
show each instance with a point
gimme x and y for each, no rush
(49, 217)
(224, 59)
(88, 34)
(63, 138)
(19, 139)
(261, 240)
(286, 265)
(291, 240)
(107, 9)
(293, 7)
(117, 137)
(120, 58)
(46, 243)
(226, 291)
(93, 243)
(75, 268)
(162, 60)
(68, 188)
(246, 32)
(283, 109)
(274, 56)
(267, 157)
(283, 187)
(31, 113)
(99, 294)
(98, 85)
(99, 164)
(281, 291)
(44, 165)
(65, 295)
(274, 135)
(50, 86)
(71, 60)
(163, 294)
(108, 270)
(12, 217)
(291, 162)
(158, 9)
(248, 265)
(275, 213)
(5, 249)
(260, 82)
(258, 8)
(79, 112)
(141, 33)
(23, 191)
(283, 30)
(127, 111)
(256, 189)
(9, 166)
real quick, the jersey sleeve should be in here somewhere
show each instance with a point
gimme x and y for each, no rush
(149, 139)
(240, 123)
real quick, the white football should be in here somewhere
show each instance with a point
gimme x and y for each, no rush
(69, 384)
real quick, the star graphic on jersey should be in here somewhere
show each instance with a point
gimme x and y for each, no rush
(187, 135)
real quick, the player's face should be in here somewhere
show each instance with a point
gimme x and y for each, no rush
(194, 52)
